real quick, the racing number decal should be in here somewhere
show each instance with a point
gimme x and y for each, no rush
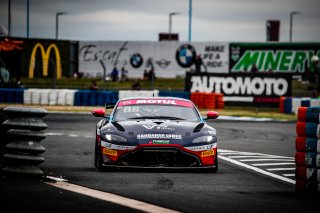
(130, 109)
(207, 153)
(110, 152)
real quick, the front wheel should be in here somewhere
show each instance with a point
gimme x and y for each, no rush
(98, 157)
(215, 170)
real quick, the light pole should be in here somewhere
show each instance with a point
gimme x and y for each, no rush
(57, 22)
(9, 18)
(291, 18)
(28, 18)
(190, 20)
(170, 23)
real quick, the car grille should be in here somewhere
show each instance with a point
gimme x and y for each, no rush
(159, 157)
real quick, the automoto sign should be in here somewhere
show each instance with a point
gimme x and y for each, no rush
(241, 87)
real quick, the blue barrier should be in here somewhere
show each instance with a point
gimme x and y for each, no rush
(177, 94)
(95, 98)
(11, 95)
(288, 105)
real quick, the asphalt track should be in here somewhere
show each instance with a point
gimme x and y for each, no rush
(255, 174)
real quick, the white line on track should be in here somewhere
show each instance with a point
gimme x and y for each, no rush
(127, 202)
(281, 169)
(265, 159)
(257, 169)
(271, 164)
(289, 175)
(53, 134)
(223, 153)
(259, 156)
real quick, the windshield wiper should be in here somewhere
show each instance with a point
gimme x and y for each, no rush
(158, 117)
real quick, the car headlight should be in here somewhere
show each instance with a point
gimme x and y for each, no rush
(113, 138)
(205, 139)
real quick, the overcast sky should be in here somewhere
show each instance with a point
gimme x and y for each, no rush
(142, 20)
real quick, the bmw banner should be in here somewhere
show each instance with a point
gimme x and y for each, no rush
(169, 59)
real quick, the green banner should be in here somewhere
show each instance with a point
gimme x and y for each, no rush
(292, 58)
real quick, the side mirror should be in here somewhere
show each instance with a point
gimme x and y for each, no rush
(99, 112)
(212, 115)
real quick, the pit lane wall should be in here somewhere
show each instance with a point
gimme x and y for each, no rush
(69, 97)
(307, 156)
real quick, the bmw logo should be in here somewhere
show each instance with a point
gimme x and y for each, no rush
(186, 55)
(136, 60)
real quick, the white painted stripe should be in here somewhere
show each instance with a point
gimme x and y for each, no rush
(257, 170)
(54, 133)
(89, 136)
(131, 203)
(74, 136)
(259, 156)
(281, 169)
(271, 164)
(55, 178)
(239, 153)
(289, 175)
(265, 159)
(248, 154)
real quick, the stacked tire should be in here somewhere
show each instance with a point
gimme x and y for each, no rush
(307, 155)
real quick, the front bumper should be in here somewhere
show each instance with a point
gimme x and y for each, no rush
(160, 156)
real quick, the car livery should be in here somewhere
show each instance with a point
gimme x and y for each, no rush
(161, 132)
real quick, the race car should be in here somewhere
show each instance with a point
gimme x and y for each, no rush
(157, 132)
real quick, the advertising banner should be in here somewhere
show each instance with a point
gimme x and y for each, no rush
(47, 58)
(35, 57)
(242, 87)
(169, 59)
(294, 58)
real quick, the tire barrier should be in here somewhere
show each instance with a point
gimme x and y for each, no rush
(290, 105)
(208, 100)
(49, 96)
(307, 156)
(68, 97)
(22, 146)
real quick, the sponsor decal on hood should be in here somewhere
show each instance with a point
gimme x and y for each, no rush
(159, 136)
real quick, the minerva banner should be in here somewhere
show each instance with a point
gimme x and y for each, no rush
(294, 58)
(242, 87)
(169, 59)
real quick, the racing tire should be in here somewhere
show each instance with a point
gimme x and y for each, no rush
(215, 170)
(98, 157)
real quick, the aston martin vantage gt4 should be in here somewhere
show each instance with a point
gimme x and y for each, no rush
(158, 132)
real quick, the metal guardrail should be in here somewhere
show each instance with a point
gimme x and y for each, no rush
(23, 133)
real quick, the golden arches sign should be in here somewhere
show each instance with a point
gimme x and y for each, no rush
(45, 60)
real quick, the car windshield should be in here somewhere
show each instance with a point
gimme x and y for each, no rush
(148, 111)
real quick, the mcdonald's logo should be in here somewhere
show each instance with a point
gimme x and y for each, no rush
(45, 60)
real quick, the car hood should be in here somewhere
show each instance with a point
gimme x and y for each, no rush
(158, 131)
